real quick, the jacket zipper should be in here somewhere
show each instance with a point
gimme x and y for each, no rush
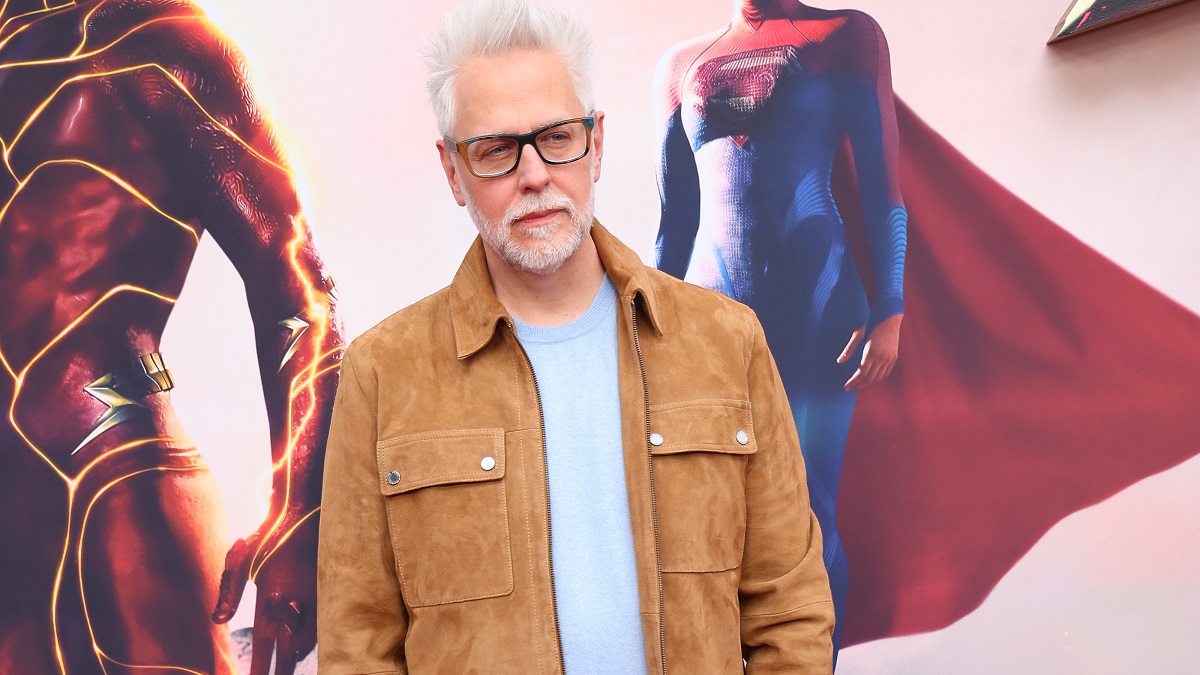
(662, 614)
(546, 484)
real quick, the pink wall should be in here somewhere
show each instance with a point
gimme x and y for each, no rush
(1098, 133)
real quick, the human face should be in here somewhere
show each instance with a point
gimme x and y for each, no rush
(536, 217)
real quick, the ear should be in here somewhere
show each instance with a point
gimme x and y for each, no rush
(597, 145)
(447, 157)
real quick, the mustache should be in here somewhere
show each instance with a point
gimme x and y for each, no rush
(539, 201)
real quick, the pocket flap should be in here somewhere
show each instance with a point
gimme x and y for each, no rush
(707, 425)
(421, 460)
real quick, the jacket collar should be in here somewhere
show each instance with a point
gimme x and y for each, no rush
(475, 313)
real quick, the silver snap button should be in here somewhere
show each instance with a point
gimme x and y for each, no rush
(742, 437)
(393, 477)
(656, 439)
(487, 463)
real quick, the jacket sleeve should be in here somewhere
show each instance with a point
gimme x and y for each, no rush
(361, 619)
(786, 606)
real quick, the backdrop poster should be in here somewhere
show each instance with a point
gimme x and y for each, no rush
(1097, 134)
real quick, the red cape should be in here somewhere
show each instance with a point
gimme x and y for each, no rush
(1036, 378)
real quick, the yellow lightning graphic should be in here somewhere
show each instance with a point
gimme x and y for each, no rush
(119, 408)
(318, 312)
(107, 174)
(296, 327)
(19, 378)
(302, 393)
(96, 648)
(78, 54)
(77, 535)
(129, 69)
(39, 15)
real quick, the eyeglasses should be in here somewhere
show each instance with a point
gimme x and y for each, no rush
(498, 154)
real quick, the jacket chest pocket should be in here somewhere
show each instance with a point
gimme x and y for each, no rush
(699, 450)
(448, 514)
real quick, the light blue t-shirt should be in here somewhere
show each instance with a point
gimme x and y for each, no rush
(591, 540)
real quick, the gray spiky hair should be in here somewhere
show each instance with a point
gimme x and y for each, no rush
(492, 27)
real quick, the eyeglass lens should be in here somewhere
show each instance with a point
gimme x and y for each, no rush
(562, 143)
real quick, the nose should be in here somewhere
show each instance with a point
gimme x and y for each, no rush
(532, 173)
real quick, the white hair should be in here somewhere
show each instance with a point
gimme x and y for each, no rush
(494, 27)
(542, 255)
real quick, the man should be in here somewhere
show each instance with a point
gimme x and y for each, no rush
(564, 461)
(126, 131)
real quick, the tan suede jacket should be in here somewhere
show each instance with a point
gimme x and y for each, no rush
(435, 531)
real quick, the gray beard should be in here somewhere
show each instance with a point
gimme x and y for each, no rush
(542, 255)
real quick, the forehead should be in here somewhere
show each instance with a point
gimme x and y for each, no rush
(515, 92)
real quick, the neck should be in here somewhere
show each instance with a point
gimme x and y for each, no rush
(761, 10)
(549, 299)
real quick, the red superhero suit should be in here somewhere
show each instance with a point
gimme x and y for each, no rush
(127, 130)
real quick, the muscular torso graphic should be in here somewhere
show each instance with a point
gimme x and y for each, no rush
(755, 116)
(77, 244)
(127, 130)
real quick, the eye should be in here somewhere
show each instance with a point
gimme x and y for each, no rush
(556, 139)
(488, 149)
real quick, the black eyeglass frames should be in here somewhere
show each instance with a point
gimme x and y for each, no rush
(498, 154)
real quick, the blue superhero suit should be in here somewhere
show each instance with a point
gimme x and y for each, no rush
(755, 116)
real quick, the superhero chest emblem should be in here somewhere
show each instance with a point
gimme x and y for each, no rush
(730, 90)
